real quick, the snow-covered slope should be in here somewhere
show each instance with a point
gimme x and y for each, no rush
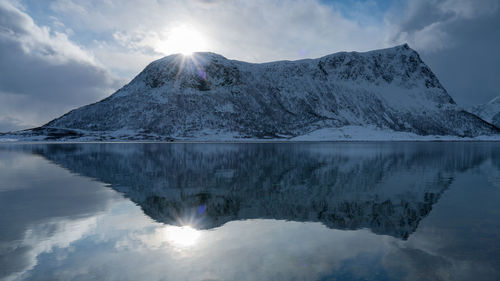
(206, 96)
(489, 111)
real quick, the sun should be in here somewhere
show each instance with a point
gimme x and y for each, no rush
(184, 39)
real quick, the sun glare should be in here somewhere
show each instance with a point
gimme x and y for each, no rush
(183, 39)
(181, 236)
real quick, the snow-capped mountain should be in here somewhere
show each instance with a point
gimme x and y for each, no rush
(340, 185)
(489, 111)
(206, 96)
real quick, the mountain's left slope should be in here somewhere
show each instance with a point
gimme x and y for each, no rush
(208, 97)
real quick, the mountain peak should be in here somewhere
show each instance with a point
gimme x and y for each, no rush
(404, 46)
(199, 71)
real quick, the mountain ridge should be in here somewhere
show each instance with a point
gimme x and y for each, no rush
(207, 96)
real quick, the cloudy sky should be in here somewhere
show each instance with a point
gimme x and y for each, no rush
(61, 54)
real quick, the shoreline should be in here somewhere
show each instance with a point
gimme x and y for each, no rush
(248, 141)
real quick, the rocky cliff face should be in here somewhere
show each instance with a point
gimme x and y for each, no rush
(386, 188)
(205, 95)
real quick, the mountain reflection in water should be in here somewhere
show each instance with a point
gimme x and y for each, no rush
(413, 211)
(386, 188)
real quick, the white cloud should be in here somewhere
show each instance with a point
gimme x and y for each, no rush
(248, 30)
(39, 41)
(430, 38)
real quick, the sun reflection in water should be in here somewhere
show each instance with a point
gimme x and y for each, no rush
(181, 236)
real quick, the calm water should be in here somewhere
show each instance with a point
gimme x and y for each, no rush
(325, 211)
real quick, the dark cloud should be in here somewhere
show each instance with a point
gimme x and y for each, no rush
(42, 73)
(459, 39)
(470, 70)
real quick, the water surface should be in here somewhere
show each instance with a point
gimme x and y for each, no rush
(311, 211)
